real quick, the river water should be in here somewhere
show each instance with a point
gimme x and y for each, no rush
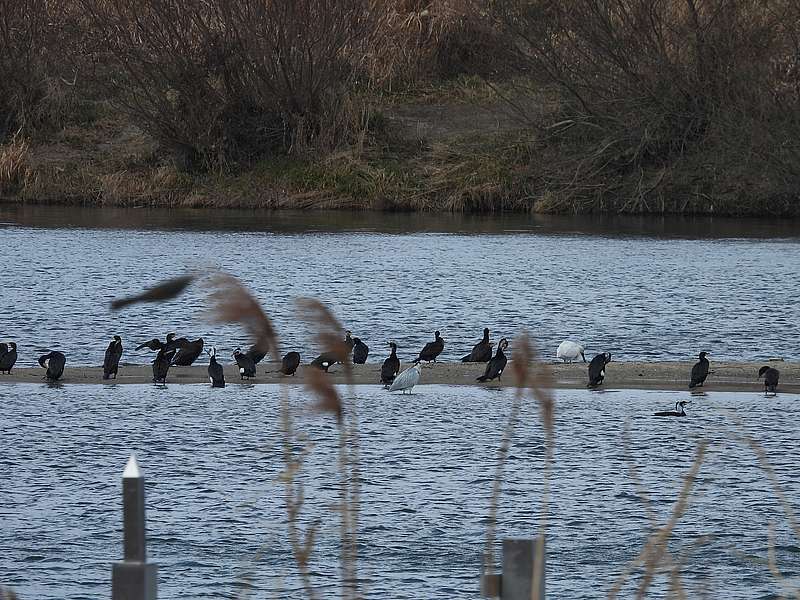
(654, 289)
(216, 512)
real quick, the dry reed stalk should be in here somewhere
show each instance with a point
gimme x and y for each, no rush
(330, 334)
(14, 164)
(655, 548)
(233, 303)
(535, 378)
(676, 582)
(295, 496)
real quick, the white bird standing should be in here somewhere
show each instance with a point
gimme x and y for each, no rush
(569, 351)
(406, 380)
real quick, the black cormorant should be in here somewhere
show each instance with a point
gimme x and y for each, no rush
(771, 377)
(247, 368)
(324, 361)
(215, 372)
(597, 369)
(391, 366)
(674, 413)
(360, 351)
(161, 364)
(111, 359)
(431, 350)
(496, 366)
(482, 351)
(699, 371)
(55, 365)
(154, 344)
(290, 362)
(187, 352)
(8, 357)
(256, 353)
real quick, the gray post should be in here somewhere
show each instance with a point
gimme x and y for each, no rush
(520, 571)
(133, 578)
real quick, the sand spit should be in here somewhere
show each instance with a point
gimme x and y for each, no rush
(728, 376)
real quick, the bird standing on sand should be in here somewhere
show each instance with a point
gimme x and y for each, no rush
(324, 361)
(674, 413)
(215, 372)
(112, 357)
(431, 349)
(406, 381)
(569, 351)
(290, 363)
(699, 371)
(55, 365)
(360, 351)
(496, 366)
(390, 367)
(187, 352)
(482, 351)
(771, 377)
(597, 369)
(161, 363)
(8, 357)
(247, 367)
(256, 353)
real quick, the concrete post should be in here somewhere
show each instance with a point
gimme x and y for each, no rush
(519, 573)
(133, 578)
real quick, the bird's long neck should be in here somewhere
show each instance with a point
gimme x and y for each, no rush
(485, 337)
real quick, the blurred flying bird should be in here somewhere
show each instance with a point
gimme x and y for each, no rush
(163, 291)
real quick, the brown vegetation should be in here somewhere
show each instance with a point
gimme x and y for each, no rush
(628, 106)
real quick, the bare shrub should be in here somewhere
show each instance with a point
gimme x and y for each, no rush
(649, 86)
(223, 82)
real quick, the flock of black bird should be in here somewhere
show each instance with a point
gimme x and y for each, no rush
(183, 352)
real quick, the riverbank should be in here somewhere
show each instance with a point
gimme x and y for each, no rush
(465, 145)
(729, 376)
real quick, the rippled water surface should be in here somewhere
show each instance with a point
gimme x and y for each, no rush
(216, 507)
(641, 289)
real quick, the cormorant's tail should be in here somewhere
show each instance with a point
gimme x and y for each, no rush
(467, 358)
(481, 378)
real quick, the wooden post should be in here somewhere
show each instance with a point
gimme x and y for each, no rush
(134, 578)
(521, 573)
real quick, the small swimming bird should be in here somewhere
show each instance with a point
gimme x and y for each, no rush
(187, 352)
(431, 349)
(324, 361)
(161, 364)
(390, 367)
(699, 371)
(55, 365)
(247, 368)
(360, 351)
(215, 372)
(597, 369)
(8, 357)
(496, 366)
(673, 413)
(771, 377)
(482, 351)
(569, 351)
(111, 359)
(290, 362)
(406, 381)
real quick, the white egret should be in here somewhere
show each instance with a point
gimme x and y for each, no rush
(569, 351)
(406, 380)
